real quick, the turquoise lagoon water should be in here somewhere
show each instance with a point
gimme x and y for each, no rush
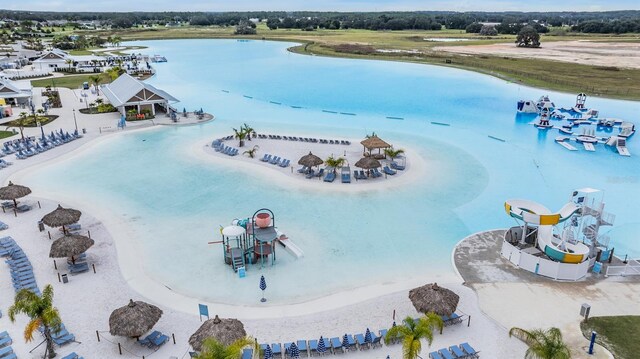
(175, 202)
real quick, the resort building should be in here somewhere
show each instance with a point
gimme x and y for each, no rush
(51, 60)
(127, 93)
(16, 93)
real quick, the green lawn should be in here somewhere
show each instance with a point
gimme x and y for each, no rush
(5, 134)
(553, 75)
(68, 81)
(620, 335)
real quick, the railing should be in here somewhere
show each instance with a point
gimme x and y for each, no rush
(631, 268)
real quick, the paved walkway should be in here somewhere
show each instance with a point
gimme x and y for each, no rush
(519, 298)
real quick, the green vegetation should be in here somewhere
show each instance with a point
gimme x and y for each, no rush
(619, 334)
(98, 107)
(41, 312)
(69, 81)
(543, 344)
(411, 332)
(26, 120)
(5, 134)
(213, 349)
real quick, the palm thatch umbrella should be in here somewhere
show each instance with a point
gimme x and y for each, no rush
(374, 142)
(70, 246)
(368, 163)
(310, 160)
(134, 319)
(225, 331)
(433, 298)
(61, 217)
(11, 192)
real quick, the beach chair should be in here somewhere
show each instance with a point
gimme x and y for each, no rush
(78, 268)
(320, 173)
(396, 166)
(330, 177)
(445, 353)
(247, 353)
(6, 341)
(265, 158)
(310, 174)
(4, 334)
(23, 208)
(303, 169)
(472, 353)
(5, 352)
(158, 341)
(435, 355)
(388, 171)
(362, 344)
(376, 341)
(336, 345)
(362, 175)
(149, 338)
(302, 345)
(457, 351)
(455, 319)
(285, 163)
(72, 355)
(274, 160)
(276, 348)
(313, 347)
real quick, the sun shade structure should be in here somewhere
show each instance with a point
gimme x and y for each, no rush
(127, 92)
(134, 319)
(225, 331)
(368, 163)
(61, 217)
(12, 192)
(374, 142)
(70, 246)
(310, 160)
(433, 298)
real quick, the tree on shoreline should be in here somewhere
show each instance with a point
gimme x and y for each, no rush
(411, 332)
(543, 344)
(528, 37)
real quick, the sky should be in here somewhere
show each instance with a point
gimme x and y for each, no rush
(321, 5)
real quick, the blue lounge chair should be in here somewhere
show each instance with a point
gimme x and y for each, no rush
(71, 356)
(149, 338)
(310, 174)
(284, 163)
(247, 353)
(6, 341)
(159, 341)
(388, 171)
(65, 339)
(457, 351)
(336, 344)
(362, 175)
(469, 350)
(302, 346)
(435, 355)
(4, 352)
(4, 334)
(396, 166)
(265, 158)
(455, 319)
(361, 342)
(274, 160)
(23, 208)
(445, 353)
(303, 169)
(376, 173)
(330, 177)
(78, 268)
(346, 177)
(276, 348)
(313, 347)
(320, 173)
(376, 341)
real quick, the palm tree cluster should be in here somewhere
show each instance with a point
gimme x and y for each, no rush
(213, 349)
(335, 162)
(543, 344)
(245, 132)
(411, 333)
(393, 153)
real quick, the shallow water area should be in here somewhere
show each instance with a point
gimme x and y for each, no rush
(174, 203)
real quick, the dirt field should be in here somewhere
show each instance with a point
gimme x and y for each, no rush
(618, 54)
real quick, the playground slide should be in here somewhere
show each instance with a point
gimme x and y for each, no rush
(536, 214)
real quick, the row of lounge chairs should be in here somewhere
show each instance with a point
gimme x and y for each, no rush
(21, 270)
(61, 337)
(275, 160)
(30, 146)
(305, 139)
(20, 208)
(6, 352)
(360, 175)
(463, 350)
(218, 146)
(154, 340)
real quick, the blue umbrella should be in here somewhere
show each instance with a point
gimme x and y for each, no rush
(268, 354)
(294, 352)
(263, 286)
(367, 337)
(321, 348)
(345, 342)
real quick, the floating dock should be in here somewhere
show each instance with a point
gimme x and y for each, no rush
(567, 145)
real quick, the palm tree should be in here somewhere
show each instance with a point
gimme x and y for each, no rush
(40, 309)
(249, 130)
(116, 40)
(95, 79)
(393, 153)
(334, 162)
(411, 332)
(21, 122)
(240, 135)
(543, 344)
(69, 62)
(213, 349)
(251, 152)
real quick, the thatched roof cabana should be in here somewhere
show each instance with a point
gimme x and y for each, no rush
(70, 246)
(12, 192)
(61, 217)
(433, 298)
(374, 142)
(310, 160)
(225, 331)
(368, 163)
(134, 319)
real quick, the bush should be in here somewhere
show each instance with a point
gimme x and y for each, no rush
(488, 30)
(473, 28)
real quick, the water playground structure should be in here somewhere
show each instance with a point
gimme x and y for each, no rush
(562, 245)
(253, 241)
(567, 121)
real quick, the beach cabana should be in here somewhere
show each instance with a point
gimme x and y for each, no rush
(134, 319)
(225, 331)
(310, 160)
(368, 163)
(70, 246)
(12, 192)
(372, 143)
(15, 92)
(126, 93)
(61, 217)
(433, 298)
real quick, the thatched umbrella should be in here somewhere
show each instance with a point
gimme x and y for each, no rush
(432, 298)
(225, 331)
(61, 217)
(368, 163)
(310, 160)
(374, 142)
(12, 192)
(70, 246)
(134, 319)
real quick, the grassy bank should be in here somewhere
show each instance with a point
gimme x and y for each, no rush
(364, 44)
(69, 81)
(620, 334)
